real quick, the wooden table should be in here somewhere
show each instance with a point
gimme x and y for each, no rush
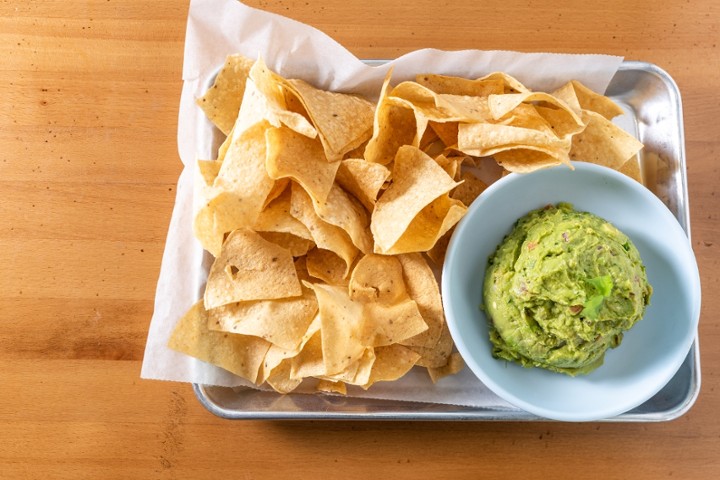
(89, 95)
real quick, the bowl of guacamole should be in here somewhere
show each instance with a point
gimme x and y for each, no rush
(561, 289)
(572, 294)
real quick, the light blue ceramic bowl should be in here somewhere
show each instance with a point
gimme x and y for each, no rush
(650, 353)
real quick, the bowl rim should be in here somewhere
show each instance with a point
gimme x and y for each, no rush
(476, 367)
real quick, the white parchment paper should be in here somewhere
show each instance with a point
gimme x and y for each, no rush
(217, 28)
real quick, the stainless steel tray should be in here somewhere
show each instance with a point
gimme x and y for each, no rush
(654, 114)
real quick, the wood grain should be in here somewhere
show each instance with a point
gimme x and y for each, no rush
(89, 94)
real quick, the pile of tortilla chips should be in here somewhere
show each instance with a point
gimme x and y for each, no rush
(322, 210)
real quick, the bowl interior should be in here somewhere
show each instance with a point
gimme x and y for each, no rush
(650, 353)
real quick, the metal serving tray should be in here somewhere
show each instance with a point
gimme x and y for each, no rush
(652, 102)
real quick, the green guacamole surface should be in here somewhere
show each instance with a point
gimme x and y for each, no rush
(561, 289)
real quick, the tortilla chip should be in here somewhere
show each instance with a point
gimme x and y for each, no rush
(250, 268)
(343, 211)
(526, 160)
(281, 322)
(280, 378)
(243, 173)
(481, 87)
(429, 225)
(276, 218)
(632, 169)
(454, 364)
(394, 126)
(447, 132)
(221, 103)
(378, 278)
(356, 373)
(391, 362)
(292, 155)
(325, 235)
(581, 97)
(328, 386)
(470, 188)
(341, 328)
(208, 170)
(309, 362)
(265, 98)
(386, 324)
(502, 105)
(362, 179)
(485, 139)
(424, 290)
(438, 355)
(295, 245)
(326, 266)
(239, 354)
(603, 143)
(451, 165)
(437, 253)
(418, 181)
(343, 121)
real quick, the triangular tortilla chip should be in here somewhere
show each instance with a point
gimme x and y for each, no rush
(239, 354)
(250, 268)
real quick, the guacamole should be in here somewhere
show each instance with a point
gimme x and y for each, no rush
(561, 289)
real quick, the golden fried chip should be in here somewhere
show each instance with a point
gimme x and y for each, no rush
(415, 210)
(280, 378)
(581, 97)
(276, 355)
(377, 278)
(424, 290)
(250, 268)
(345, 212)
(470, 188)
(392, 316)
(281, 322)
(243, 173)
(343, 121)
(341, 328)
(526, 160)
(386, 324)
(451, 165)
(265, 99)
(326, 266)
(394, 126)
(328, 386)
(238, 191)
(276, 217)
(278, 188)
(214, 219)
(362, 179)
(297, 246)
(325, 235)
(429, 225)
(357, 373)
(309, 362)
(292, 155)
(437, 253)
(221, 103)
(485, 139)
(454, 364)
(481, 87)
(391, 363)
(239, 354)
(603, 143)
(438, 355)
(502, 105)
(447, 131)
(632, 169)
(208, 170)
